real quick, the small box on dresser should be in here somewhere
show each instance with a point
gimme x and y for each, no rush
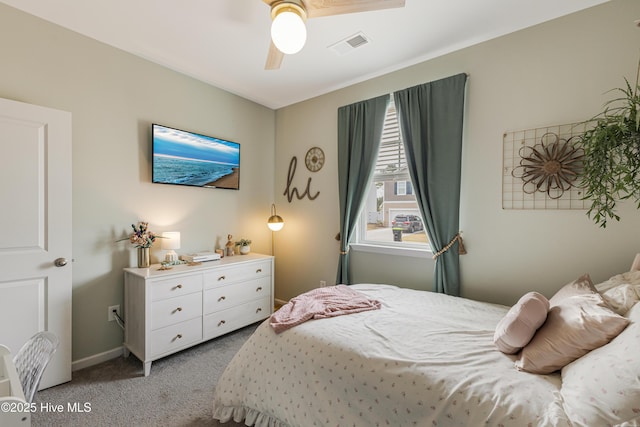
(166, 311)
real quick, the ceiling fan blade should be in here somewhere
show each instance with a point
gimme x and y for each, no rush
(274, 58)
(318, 8)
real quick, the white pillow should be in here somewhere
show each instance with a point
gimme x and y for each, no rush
(603, 387)
(621, 292)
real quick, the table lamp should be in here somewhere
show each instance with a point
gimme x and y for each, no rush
(170, 241)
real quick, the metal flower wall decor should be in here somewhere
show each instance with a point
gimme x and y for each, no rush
(551, 166)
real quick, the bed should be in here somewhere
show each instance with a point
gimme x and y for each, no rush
(427, 359)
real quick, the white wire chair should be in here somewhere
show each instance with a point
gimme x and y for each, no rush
(32, 359)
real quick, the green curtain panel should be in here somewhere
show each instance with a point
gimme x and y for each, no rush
(431, 122)
(359, 132)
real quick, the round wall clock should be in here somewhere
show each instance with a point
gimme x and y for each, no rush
(314, 159)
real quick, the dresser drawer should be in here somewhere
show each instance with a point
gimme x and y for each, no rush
(224, 297)
(175, 286)
(166, 310)
(174, 337)
(174, 310)
(224, 321)
(227, 275)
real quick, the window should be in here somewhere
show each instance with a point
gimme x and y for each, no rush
(402, 188)
(391, 217)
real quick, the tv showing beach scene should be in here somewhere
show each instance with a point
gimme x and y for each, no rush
(186, 158)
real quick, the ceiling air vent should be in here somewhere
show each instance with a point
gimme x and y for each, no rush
(350, 43)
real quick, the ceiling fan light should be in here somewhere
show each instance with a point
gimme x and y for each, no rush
(288, 31)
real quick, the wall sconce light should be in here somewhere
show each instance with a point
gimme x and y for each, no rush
(170, 241)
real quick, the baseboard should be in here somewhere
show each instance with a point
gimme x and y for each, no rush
(96, 358)
(118, 351)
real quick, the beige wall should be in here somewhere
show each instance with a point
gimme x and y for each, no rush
(554, 73)
(114, 97)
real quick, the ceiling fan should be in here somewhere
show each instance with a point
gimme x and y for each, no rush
(288, 31)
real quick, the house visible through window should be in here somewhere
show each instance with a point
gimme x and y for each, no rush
(391, 216)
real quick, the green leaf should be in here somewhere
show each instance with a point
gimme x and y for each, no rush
(611, 164)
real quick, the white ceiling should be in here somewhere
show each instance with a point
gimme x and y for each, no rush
(225, 42)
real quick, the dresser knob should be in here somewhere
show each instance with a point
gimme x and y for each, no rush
(179, 336)
(179, 286)
(222, 322)
(178, 309)
(259, 288)
(258, 310)
(221, 278)
(259, 270)
(222, 298)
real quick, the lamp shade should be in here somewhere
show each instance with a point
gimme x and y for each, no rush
(288, 31)
(275, 221)
(170, 240)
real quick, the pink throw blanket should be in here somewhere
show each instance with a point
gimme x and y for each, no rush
(320, 303)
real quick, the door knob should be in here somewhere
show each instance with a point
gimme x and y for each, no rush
(60, 262)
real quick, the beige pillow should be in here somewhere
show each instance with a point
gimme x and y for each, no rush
(602, 387)
(518, 326)
(581, 286)
(577, 322)
(621, 291)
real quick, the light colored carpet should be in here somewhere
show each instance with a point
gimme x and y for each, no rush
(178, 392)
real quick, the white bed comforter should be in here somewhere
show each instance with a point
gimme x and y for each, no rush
(423, 359)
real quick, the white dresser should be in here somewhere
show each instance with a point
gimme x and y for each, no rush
(169, 310)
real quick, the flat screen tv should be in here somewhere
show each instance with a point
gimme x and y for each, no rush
(186, 158)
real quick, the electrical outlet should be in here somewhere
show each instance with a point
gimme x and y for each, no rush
(323, 283)
(110, 314)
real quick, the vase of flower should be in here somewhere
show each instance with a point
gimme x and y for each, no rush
(142, 238)
(143, 258)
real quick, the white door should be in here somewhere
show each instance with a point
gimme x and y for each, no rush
(35, 230)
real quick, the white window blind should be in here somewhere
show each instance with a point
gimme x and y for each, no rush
(392, 163)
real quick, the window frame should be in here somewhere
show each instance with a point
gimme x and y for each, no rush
(361, 244)
(401, 190)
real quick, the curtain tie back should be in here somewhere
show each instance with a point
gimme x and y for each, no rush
(461, 248)
(344, 252)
